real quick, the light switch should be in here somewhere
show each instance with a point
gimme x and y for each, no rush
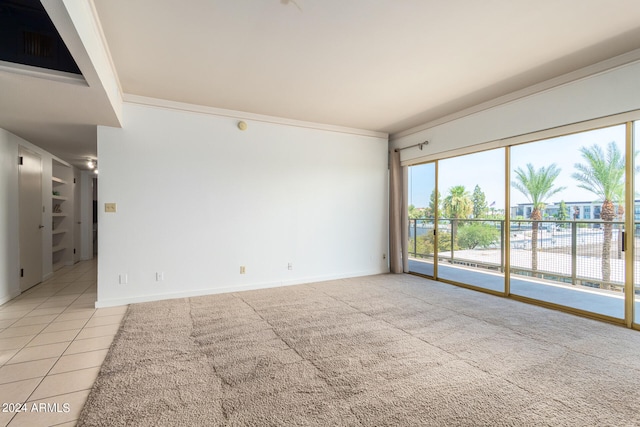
(110, 207)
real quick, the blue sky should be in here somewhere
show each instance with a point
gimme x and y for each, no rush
(487, 168)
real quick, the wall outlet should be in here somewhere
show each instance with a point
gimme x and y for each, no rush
(243, 269)
(384, 256)
(159, 276)
(290, 266)
(110, 207)
(123, 279)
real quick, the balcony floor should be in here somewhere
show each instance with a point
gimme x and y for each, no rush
(606, 303)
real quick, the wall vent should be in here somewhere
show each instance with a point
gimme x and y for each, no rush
(37, 44)
(28, 37)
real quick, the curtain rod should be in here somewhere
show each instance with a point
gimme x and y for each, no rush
(420, 144)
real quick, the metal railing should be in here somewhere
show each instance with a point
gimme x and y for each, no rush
(421, 228)
(569, 252)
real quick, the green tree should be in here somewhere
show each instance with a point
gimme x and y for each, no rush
(603, 175)
(431, 210)
(537, 186)
(476, 235)
(424, 244)
(479, 200)
(563, 211)
(457, 205)
(415, 213)
(495, 214)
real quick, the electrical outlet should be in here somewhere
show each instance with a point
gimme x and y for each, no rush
(384, 256)
(123, 279)
(290, 266)
(110, 207)
(159, 276)
(243, 270)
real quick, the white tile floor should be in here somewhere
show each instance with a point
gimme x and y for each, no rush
(52, 344)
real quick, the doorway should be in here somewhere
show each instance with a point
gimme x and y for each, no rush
(31, 222)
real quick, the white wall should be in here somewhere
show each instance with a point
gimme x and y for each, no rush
(9, 227)
(9, 213)
(612, 92)
(197, 198)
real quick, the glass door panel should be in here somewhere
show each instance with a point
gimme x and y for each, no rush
(470, 231)
(421, 192)
(567, 218)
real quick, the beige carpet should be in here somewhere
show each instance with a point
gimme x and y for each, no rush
(388, 350)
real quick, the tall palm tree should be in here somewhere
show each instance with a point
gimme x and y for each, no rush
(537, 186)
(457, 205)
(603, 175)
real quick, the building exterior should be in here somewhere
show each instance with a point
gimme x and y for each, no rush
(579, 210)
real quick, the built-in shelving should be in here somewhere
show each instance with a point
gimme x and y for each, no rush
(57, 180)
(61, 210)
(58, 248)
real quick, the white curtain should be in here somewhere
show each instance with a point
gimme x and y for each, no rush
(398, 215)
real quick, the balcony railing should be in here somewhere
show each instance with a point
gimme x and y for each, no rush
(570, 252)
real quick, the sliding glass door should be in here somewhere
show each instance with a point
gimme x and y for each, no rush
(571, 238)
(471, 232)
(422, 215)
(567, 221)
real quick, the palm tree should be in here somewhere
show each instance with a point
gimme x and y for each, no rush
(537, 186)
(603, 175)
(457, 205)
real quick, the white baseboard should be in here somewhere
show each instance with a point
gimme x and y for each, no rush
(5, 299)
(114, 302)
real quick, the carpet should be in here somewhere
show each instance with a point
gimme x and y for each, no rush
(386, 350)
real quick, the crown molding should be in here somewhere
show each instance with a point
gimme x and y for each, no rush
(241, 115)
(97, 27)
(43, 73)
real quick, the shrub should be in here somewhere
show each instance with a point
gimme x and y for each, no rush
(477, 235)
(424, 245)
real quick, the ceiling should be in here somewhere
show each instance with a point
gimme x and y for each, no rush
(383, 65)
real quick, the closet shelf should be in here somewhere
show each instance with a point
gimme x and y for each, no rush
(58, 180)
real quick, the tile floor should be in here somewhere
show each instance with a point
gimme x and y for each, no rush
(52, 344)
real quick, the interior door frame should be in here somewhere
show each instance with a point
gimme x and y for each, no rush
(31, 217)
